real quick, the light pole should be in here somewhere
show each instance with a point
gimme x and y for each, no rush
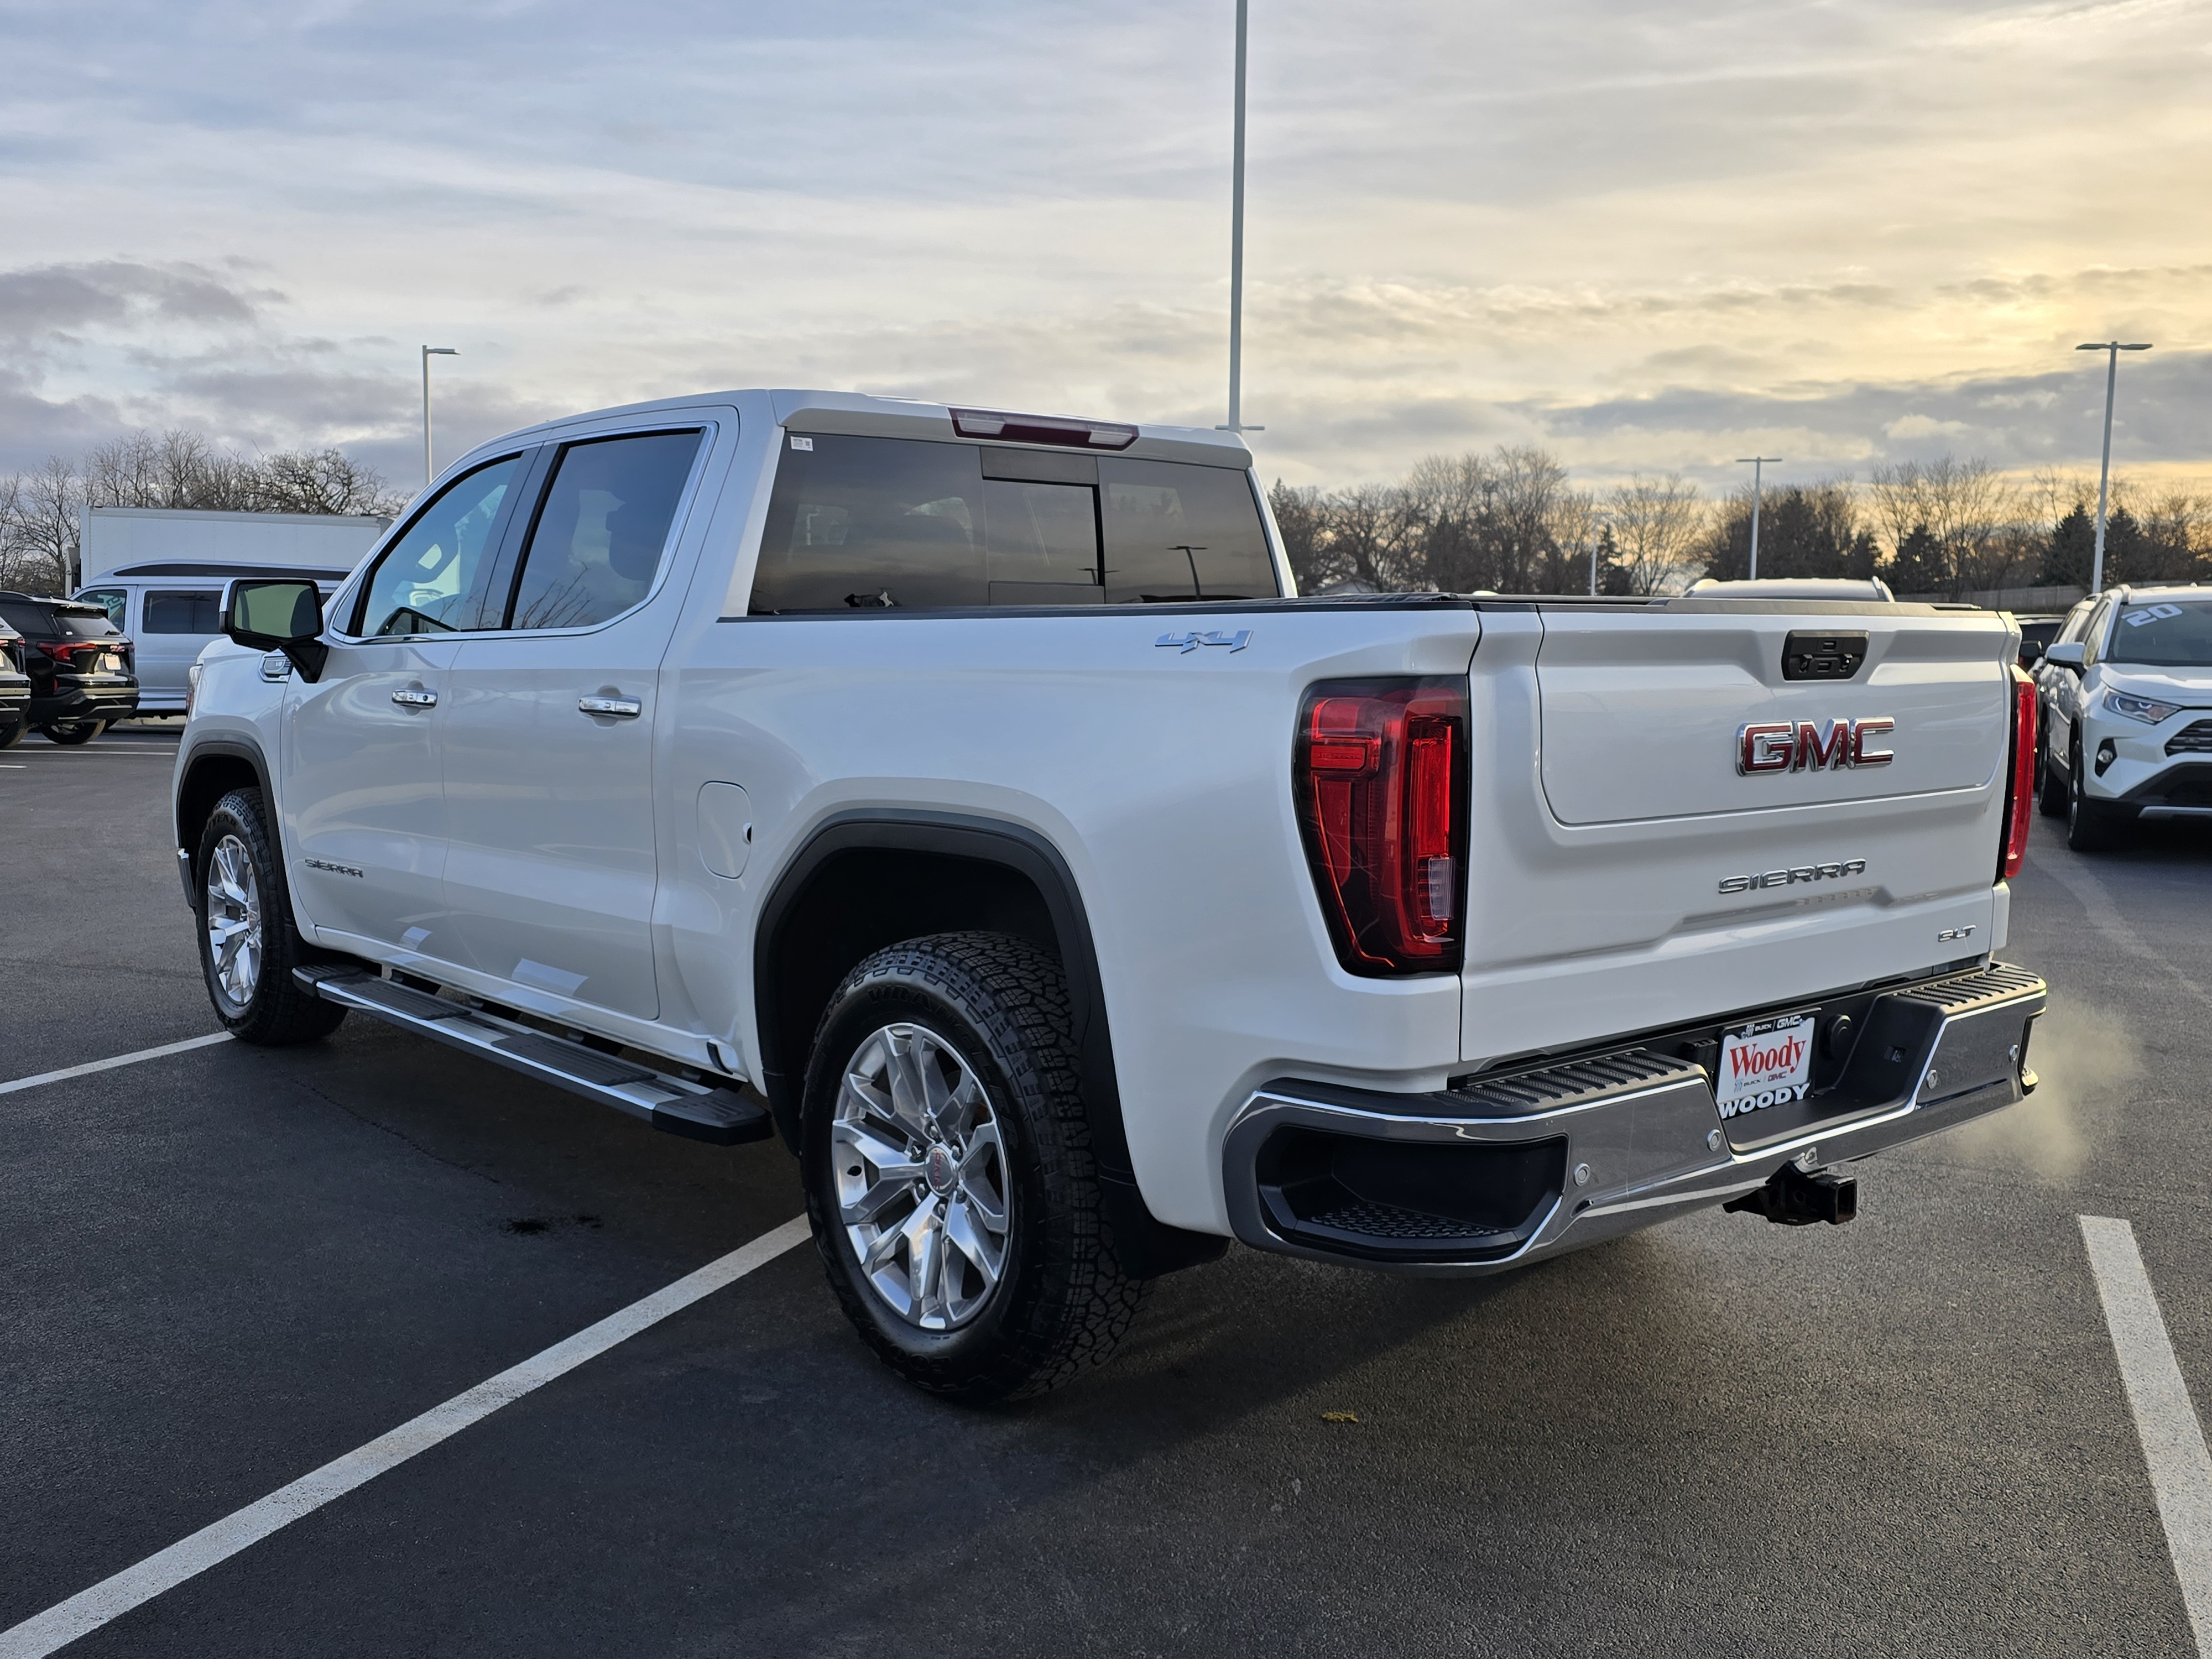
(429, 352)
(2112, 349)
(1758, 464)
(1236, 250)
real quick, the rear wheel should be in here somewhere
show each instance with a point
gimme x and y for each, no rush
(70, 734)
(2089, 824)
(948, 1170)
(13, 734)
(248, 945)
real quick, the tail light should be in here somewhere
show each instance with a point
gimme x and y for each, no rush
(1380, 772)
(2020, 782)
(66, 652)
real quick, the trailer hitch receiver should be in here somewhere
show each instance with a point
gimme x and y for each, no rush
(1795, 1199)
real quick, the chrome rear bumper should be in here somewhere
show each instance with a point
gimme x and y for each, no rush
(1499, 1172)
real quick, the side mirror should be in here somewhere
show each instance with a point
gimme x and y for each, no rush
(2066, 655)
(2031, 652)
(279, 615)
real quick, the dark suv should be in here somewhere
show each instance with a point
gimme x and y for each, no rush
(80, 666)
(14, 687)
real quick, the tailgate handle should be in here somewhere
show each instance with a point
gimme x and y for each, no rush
(1809, 656)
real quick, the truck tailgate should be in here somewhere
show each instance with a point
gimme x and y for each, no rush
(1701, 833)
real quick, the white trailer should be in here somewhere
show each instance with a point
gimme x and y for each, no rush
(159, 572)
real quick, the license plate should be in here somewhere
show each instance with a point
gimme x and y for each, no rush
(1766, 1063)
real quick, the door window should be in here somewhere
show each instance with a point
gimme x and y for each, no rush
(113, 600)
(1179, 532)
(183, 613)
(427, 580)
(873, 523)
(603, 529)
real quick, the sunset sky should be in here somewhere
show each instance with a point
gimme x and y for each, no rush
(1649, 236)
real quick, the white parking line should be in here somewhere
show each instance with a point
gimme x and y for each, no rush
(2166, 1422)
(92, 1065)
(112, 1597)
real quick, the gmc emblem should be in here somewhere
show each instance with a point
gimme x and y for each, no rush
(1806, 747)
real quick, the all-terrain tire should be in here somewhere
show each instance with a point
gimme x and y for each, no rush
(1062, 1301)
(238, 877)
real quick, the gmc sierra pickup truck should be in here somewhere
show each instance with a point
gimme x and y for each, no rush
(968, 799)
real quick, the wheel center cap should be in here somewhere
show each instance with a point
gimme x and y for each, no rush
(941, 1170)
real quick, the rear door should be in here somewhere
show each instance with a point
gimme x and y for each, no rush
(1722, 804)
(548, 740)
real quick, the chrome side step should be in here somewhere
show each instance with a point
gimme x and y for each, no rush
(698, 1111)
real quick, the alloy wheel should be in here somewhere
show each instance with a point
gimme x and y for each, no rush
(923, 1196)
(233, 922)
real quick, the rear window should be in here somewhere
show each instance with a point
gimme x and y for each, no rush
(901, 523)
(37, 622)
(182, 613)
(2163, 633)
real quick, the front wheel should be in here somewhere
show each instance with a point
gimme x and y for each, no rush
(948, 1175)
(70, 734)
(2089, 824)
(248, 946)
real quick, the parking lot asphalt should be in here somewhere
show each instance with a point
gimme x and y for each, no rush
(225, 1267)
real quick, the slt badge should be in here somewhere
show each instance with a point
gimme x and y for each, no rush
(1190, 642)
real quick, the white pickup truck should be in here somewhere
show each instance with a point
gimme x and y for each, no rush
(968, 798)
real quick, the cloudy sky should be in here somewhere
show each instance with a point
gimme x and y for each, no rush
(1652, 235)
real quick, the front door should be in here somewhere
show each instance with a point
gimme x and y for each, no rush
(552, 866)
(366, 831)
(361, 753)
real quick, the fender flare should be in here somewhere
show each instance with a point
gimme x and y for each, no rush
(1147, 1246)
(234, 748)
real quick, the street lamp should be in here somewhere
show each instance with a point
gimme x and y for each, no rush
(429, 352)
(2112, 349)
(1236, 251)
(1757, 464)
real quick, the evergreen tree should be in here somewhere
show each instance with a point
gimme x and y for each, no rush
(2071, 550)
(1920, 566)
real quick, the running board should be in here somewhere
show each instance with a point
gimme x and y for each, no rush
(698, 1111)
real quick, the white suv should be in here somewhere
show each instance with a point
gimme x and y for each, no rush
(2128, 735)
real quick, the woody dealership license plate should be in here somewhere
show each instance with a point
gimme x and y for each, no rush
(1766, 1063)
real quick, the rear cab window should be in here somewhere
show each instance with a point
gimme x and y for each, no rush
(859, 523)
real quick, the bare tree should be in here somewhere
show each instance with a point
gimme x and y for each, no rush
(38, 531)
(1950, 526)
(1656, 523)
(320, 481)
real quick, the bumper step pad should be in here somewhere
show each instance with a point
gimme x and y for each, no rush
(699, 1111)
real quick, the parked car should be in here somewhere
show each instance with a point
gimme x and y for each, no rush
(2036, 634)
(170, 618)
(79, 664)
(2130, 713)
(968, 798)
(15, 688)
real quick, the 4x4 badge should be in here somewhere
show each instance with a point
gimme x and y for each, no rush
(1190, 642)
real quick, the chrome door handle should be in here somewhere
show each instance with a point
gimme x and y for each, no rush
(415, 699)
(622, 709)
